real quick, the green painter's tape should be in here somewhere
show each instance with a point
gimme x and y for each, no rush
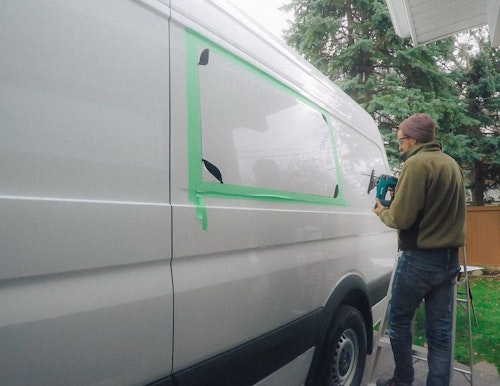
(193, 118)
(194, 129)
(335, 157)
(216, 190)
(199, 189)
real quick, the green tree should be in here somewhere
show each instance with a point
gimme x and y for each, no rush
(476, 73)
(354, 44)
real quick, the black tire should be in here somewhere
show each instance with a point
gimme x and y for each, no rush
(344, 354)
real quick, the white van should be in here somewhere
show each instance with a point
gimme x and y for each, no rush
(183, 201)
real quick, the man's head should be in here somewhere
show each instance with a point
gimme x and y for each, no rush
(417, 129)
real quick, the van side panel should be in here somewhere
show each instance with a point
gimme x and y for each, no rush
(253, 261)
(85, 281)
(148, 146)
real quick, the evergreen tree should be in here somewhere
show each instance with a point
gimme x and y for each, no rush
(477, 145)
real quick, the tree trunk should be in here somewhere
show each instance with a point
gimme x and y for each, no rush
(478, 175)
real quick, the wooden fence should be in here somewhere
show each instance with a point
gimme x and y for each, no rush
(483, 235)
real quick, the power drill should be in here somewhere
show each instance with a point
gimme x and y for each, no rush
(384, 183)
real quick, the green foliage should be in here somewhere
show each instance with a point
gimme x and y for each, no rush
(461, 148)
(478, 81)
(354, 44)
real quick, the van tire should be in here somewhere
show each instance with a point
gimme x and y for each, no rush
(344, 354)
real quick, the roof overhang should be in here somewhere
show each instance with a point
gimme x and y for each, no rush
(426, 21)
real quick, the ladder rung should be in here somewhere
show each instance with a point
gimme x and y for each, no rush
(384, 342)
(463, 371)
(419, 350)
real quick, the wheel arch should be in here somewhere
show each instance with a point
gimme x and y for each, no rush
(352, 291)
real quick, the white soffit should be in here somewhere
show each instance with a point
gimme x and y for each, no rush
(493, 18)
(426, 21)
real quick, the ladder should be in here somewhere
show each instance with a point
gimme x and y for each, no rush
(419, 353)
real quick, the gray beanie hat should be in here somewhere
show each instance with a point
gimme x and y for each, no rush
(420, 127)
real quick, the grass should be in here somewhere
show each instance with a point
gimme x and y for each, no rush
(486, 334)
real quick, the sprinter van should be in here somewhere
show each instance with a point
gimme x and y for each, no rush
(183, 201)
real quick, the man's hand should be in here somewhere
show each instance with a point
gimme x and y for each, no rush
(378, 207)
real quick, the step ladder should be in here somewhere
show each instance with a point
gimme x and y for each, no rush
(419, 353)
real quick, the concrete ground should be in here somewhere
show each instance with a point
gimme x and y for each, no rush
(484, 374)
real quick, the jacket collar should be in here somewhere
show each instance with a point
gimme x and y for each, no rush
(428, 146)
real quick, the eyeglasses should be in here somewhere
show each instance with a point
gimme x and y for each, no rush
(400, 140)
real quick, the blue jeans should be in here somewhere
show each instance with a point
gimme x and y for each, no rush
(428, 275)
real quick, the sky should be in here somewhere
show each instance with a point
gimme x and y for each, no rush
(266, 12)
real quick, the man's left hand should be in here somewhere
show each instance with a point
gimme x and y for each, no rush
(378, 207)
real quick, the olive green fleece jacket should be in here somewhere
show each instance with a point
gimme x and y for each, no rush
(429, 206)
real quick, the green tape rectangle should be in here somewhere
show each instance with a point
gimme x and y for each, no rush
(199, 189)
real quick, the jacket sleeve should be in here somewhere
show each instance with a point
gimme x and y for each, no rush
(409, 197)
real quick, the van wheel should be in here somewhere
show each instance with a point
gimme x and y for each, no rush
(344, 354)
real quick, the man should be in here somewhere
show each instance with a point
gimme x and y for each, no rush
(429, 212)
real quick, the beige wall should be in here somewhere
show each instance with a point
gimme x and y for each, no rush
(483, 235)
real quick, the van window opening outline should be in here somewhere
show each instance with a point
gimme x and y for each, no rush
(198, 189)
